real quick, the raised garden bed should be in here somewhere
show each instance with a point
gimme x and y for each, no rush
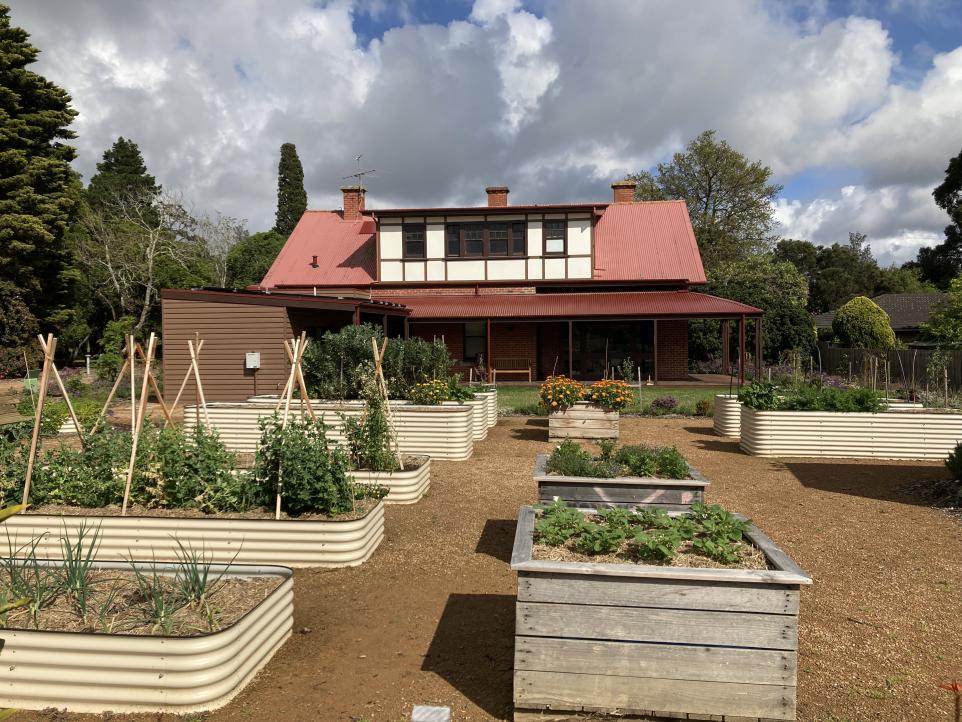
(490, 404)
(727, 420)
(665, 641)
(441, 432)
(903, 434)
(256, 539)
(583, 420)
(630, 491)
(404, 487)
(95, 672)
(479, 416)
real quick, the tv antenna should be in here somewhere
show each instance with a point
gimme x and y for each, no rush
(359, 175)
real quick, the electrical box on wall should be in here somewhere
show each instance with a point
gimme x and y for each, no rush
(252, 360)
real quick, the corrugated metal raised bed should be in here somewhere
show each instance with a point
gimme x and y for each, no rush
(592, 493)
(291, 542)
(93, 672)
(904, 434)
(583, 421)
(441, 432)
(727, 417)
(404, 487)
(479, 416)
(491, 405)
(662, 641)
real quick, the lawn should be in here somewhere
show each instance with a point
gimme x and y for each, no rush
(524, 399)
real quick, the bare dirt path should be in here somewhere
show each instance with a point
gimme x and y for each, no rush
(430, 618)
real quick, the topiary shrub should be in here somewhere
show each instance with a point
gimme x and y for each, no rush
(861, 323)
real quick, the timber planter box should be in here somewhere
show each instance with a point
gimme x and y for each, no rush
(583, 421)
(901, 434)
(587, 492)
(404, 487)
(662, 641)
(291, 542)
(727, 419)
(96, 672)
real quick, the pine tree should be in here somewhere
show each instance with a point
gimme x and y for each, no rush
(122, 171)
(38, 189)
(291, 196)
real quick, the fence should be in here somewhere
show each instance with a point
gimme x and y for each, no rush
(906, 368)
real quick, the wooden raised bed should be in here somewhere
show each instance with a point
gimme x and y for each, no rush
(95, 673)
(631, 491)
(901, 434)
(639, 640)
(291, 542)
(404, 487)
(583, 421)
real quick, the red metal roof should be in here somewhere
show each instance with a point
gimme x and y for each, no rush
(633, 304)
(344, 249)
(647, 241)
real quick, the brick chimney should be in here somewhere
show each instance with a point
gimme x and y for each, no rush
(497, 196)
(353, 202)
(624, 191)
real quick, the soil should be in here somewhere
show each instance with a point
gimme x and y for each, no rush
(361, 509)
(429, 619)
(116, 605)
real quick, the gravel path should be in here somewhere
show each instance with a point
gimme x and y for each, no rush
(430, 618)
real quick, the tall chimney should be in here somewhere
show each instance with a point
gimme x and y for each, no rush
(497, 196)
(353, 202)
(624, 191)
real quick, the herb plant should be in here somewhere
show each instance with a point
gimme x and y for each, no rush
(570, 459)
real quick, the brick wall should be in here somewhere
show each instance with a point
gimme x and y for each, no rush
(554, 349)
(672, 350)
(453, 334)
(515, 341)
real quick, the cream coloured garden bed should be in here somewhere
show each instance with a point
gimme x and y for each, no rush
(727, 419)
(291, 542)
(441, 432)
(94, 673)
(405, 487)
(490, 404)
(904, 434)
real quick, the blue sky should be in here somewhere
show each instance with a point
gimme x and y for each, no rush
(856, 106)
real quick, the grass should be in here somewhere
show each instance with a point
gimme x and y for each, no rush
(524, 399)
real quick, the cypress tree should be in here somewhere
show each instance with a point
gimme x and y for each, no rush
(291, 196)
(38, 189)
(122, 170)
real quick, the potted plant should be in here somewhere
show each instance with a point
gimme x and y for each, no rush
(631, 476)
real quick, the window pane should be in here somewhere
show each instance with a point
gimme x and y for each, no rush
(554, 245)
(498, 239)
(474, 239)
(475, 340)
(414, 241)
(454, 240)
(554, 236)
(519, 244)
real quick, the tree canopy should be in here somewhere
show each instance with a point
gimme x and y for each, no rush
(121, 171)
(861, 323)
(249, 260)
(291, 196)
(945, 323)
(729, 197)
(943, 263)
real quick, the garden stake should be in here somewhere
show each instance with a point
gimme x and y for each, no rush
(133, 381)
(289, 385)
(153, 385)
(66, 396)
(48, 352)
(199, 390)
(135, 438)
(187, 375)
(382, 388)
(298, 346)
(302, 385)
(113, 390)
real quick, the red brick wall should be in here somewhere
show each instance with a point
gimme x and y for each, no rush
(453, 334)
(672, 350)
(554, 347)
(515, 341)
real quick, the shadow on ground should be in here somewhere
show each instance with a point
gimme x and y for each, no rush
(497, 539)
(885, 482)
(701, 431)
(718, 443)
(533, 430)
(473, 649)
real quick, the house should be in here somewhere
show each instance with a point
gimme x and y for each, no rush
(907, 312)
(522, 291)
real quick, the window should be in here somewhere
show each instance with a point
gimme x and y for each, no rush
(554, 237)
(497, 239)
(492, 239)
(475, 340)
(519, 239)
(454, 239)
(414, 240)
(473, 239)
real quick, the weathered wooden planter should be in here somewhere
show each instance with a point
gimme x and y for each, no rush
(631, 491)
(490, 404)
(441, 432)
(903, 434)
(404, 487)
(291, 542)
(727, 419)
(583, 421)
(93, 672)
(661, 641)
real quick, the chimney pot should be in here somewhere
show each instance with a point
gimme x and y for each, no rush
(624, 191)
(497, 196)
(353, 202)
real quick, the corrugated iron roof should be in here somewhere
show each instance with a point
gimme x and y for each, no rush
(647, 241)
(644, 304)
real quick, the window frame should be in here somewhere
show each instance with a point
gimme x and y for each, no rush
(485, 240)
(563, 239)
(464, 340)
(405, 228)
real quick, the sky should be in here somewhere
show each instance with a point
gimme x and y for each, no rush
(856, 105)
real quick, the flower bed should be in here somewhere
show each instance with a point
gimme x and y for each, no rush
(624, 638)
(97, 672)
(727, 415)
(405, 486)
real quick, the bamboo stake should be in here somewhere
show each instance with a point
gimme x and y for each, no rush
(382, 387)
(301, 383)
(156, 388)
(200, 388)
(113, 390)
(197, 389)
(183, 384)
(49, 350)
(135, 434)
(133, 381)
(66, 396)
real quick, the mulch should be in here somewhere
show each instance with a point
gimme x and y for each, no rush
(429, 619)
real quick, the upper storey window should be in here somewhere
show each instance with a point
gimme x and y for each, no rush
(486, 240)
(555, 237)
(414, 237)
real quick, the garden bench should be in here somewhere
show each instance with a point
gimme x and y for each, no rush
(510, 366)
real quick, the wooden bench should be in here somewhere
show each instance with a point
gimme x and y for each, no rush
(510, 366)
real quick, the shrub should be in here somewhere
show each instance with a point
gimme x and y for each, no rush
(639, 460)
(861, 323)
(196, 471)
(954, 462)
(558, 393)
(664, 404)
(570, 459)
(369, 439)
(610, 394)
(760, 395)
(703, 407)
(18, 329)
(112, 343)
(429, 393)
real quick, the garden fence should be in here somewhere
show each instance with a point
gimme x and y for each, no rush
(906, 368)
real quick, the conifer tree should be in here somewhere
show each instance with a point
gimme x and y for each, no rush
(291, 196)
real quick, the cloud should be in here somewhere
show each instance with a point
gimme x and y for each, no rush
(555, 104)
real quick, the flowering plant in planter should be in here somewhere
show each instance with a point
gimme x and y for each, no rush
(559, 393)
(610, 394)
